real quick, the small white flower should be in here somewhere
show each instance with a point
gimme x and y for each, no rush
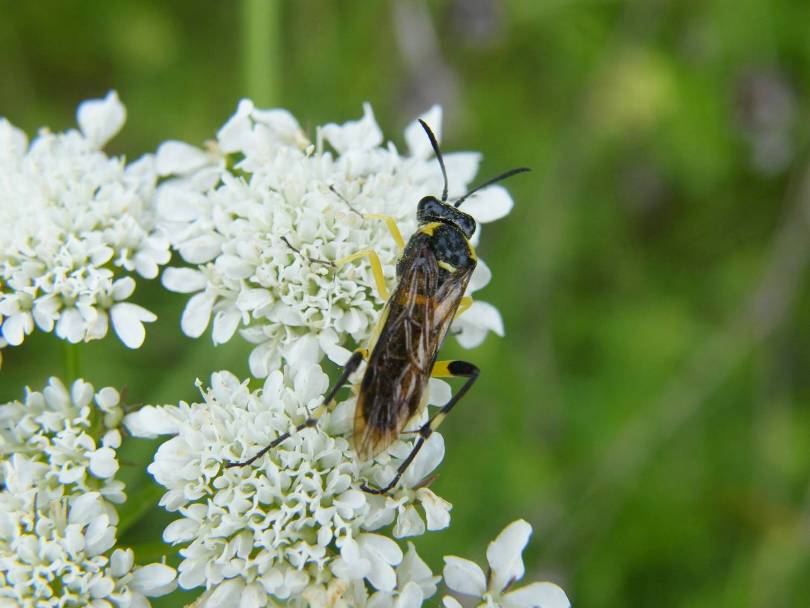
(295, 520)
(231, 218)
(54, 427)
(504, 555)
(57, 522)
(74, 223)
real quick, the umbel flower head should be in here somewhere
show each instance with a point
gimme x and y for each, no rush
(57, 521)
(75, 225)
(295, 524)
(238, 212)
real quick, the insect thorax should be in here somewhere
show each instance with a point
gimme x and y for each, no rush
(449, 245)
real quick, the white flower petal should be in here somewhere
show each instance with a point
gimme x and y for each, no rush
(225, 324)
(107, 398)
(200, 249)
(150, 422)
(179, 157)
(481, 277)
(128, 320)
(383, 553)
(428, 458)
(235, 135)
(121, 562)
(197, 314)
(183, 280)
(536, 595)
(475, 322)
(13, 142)
(180, 530)
(439, 391)
(410, 596)
(414, 569)
(153, 580)
(437, 509)
(100, 119)
(381, 547)
(100, 535)
(70, 326)
(489, 204)
(464, 576)
(103, 463)
(360, 135)
(504, 554)
(448, 601)
(416, 138)
(123, 288)
(100, 587)
(14, 328)
(461, 169)
(409, 523)
(282, 125)
(112, 439)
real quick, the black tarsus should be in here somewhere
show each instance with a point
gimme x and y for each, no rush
(438, 152)
(351, 365)
(459, 369)
(502, 176)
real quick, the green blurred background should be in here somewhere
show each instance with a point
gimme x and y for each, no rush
(649, 408)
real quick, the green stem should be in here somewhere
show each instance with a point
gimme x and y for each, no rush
(72, 367)
(260, 50)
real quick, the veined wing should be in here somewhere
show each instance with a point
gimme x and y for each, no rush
(418, 316)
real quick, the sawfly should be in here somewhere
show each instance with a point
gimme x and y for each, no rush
(433, 272)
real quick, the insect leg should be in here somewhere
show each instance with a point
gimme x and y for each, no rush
(441, 369)
(376, 269)
(306, 257)
(392, 227)
(327, 403)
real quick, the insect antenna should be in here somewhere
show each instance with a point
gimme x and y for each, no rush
(499, 178)
(438, 152)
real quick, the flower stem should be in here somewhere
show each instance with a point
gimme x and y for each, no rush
(260, 50)
(72, 366)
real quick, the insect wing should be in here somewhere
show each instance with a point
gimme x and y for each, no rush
(418, 317)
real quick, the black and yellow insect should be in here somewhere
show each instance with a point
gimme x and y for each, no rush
(433, 273)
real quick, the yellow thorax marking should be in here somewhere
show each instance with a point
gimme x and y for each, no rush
(446, 266)
(472, 251)
(430, 228)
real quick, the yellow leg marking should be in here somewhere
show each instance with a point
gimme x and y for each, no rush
(392, 227)
(441, 369)
(437, 420)
(376, 269)
(465, 304)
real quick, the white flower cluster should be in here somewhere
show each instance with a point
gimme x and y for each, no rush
(235, 212)
(74, 225)
(295, 525)
(57, 521)
(504, 555)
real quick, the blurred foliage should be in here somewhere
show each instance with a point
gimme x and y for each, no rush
(649, 409)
